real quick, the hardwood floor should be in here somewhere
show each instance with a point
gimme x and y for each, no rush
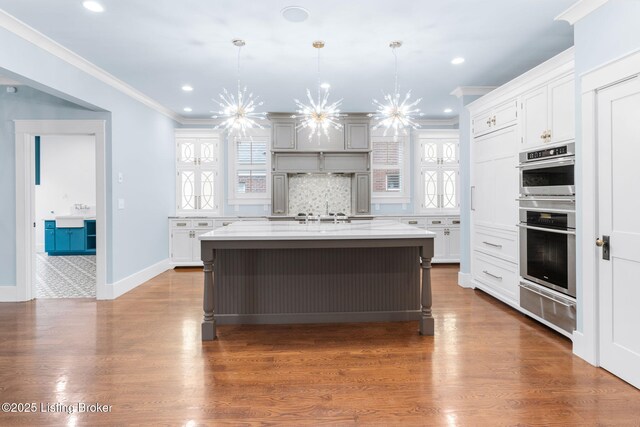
(142, 354)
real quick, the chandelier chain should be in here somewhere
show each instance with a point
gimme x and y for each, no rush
(395, 55)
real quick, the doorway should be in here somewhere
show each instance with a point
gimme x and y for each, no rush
(65, 216)
(27, 217)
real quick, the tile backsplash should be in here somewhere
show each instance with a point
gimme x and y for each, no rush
(310, 193)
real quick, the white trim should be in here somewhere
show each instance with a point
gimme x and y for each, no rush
(35, 37)
(114, 290)
(579, 10)
(464, 280)
(582, 348)
(611, 72)
(461, 91)
(8, 293)
(25, 131)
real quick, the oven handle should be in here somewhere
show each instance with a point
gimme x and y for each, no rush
(551, 297)
(552, 210)
(553, 162)
(545, 199)
(550, 230)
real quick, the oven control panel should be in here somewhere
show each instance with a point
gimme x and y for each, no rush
(550, 152)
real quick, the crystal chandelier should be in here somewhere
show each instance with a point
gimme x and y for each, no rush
(238, 111)
(396, 113)
(318, 115)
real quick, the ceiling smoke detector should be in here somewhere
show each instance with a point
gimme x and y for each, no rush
(295, 14)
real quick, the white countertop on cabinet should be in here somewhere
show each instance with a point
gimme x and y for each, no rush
(292, 230)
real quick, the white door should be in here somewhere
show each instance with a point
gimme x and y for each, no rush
(562, 109)
(439, 244)
(453, 251)
(534, 117)
(619, 205)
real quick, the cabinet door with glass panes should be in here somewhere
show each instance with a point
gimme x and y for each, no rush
(439, 175)
(197, 173)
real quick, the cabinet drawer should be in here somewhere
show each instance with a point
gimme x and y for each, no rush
(202, 223)
(436, 222)
(416, 222)
(503, 244)
(180, 223)
(500, 276)
(49, 224)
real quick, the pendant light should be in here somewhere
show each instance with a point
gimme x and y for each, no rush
(318, 115)
(238, 111)
(396, 113)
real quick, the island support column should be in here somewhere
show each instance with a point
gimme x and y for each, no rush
(426, 317)
(209, 321)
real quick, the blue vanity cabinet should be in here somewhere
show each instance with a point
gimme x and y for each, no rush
(49, 236)
(70, 241)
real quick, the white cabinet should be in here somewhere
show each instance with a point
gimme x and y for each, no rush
(447, 240)
(494, 213)
(438, 179)
(197, 163)
(184, 245)
(548, 113)
(496, 118)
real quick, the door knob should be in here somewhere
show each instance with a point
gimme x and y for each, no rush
(599, 243)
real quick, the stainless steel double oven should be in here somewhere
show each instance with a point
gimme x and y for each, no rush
(548, 235)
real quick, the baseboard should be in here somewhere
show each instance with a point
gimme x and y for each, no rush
(464, 280)
(582, 350)
(8, 293)
(121, 287)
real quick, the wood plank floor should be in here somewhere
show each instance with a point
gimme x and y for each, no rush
(142, 354)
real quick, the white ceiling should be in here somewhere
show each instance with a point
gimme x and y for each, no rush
(157, 46)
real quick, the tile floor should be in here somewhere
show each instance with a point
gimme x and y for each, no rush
(65, 276)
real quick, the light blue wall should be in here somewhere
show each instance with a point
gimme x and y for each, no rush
(611, 31)
(140, 144)
(465, 183)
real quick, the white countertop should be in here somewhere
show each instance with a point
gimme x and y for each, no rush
(292, 230)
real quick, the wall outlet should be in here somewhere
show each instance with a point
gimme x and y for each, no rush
(121, 204)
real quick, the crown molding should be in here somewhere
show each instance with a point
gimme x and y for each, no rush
(461, 91)
(579, 10)
(33, 36)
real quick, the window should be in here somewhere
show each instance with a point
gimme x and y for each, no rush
(389, 163)
(197, 166)
(249, 159)
(438, 170)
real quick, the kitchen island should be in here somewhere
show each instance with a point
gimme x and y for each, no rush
(290, 272)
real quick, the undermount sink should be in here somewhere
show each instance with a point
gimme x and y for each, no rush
(70, 221)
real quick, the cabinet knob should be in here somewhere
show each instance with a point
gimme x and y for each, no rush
(493, 120)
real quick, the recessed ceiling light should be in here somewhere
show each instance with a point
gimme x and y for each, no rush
(325, 85)
(457, 61)
(448, 110)
(93, 6)
(295, 13)
(188, 109)
(187, 88)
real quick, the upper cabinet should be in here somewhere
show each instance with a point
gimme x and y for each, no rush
(548, 113)
(496, 118)
(353, 135)
(357, 135)
(283, 134)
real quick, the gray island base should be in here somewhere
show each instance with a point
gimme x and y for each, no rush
(286, 272)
